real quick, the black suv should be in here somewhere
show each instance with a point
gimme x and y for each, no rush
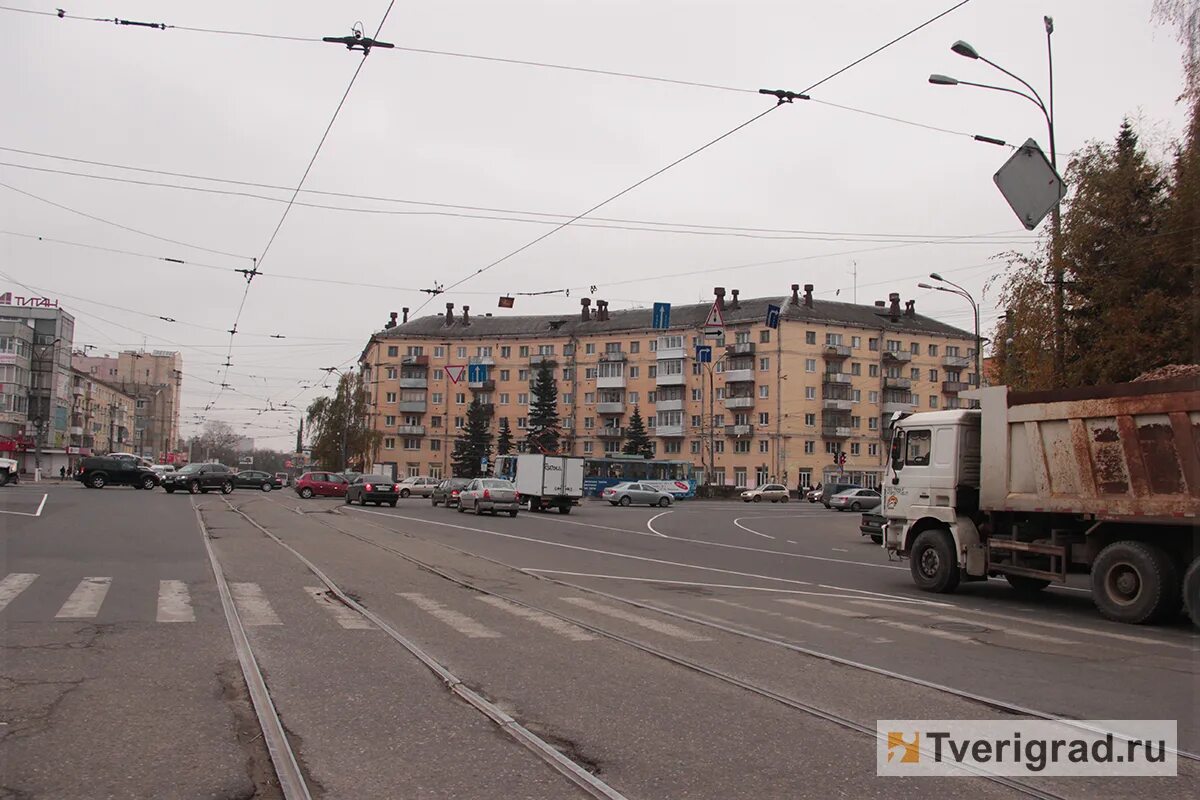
(96, 472)
(200, 479)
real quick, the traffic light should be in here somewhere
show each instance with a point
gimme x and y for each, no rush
(841, 459)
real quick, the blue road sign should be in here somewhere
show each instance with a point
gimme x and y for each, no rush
(477, 373)
(662, 316)
(704, 353)
(773, 316)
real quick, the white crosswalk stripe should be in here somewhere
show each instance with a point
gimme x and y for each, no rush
(252, 605)
(345, 616)
(561, 627)
(460, 622)
(658, 626)
(1041, 637)
(13, 584)
(174, 602)
(890, 623)
(85, 601)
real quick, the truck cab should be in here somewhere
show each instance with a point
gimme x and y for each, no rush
(932, 485)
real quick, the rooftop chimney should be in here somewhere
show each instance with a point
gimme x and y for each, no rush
(894, 306)
(602, 311)
(880, 304)
(405, 310)
(449, 314)
(719, 291)
(733, 304)
(584, 311)
(795, 294)
(391, 323)
(808, 287)
(466, 317)
(910, 308)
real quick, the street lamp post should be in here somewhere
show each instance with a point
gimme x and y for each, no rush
(961, 292)
(967, 51)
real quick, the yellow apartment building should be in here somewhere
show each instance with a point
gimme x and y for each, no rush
(774, 403)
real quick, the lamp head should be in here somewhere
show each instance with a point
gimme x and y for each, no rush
(942, 80)
(925, 286)
(963, 49)
(936, 277)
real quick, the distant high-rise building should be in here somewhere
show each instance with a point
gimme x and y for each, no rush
(155, 381)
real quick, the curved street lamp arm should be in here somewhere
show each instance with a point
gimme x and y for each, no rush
(1017, 92)
(1021, 81)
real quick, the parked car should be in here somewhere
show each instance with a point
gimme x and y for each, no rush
(162, 469)
(254, 479)
(630, 492)
(813, 495)
(830, 489)
(775, 492)
(872, 525)
(447, 492)
(9, 472)
(96, 472)
(281, 480)
(321, 484)
(420, 485)
(489, 494)
(377, 489)
(145, 462)
(200, 479)
(855, 500)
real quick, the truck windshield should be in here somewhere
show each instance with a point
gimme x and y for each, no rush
(918, 448)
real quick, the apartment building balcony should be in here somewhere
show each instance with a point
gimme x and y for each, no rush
(739, 375)
(489, 409)
(892, 406)
(485, 360)
(669, 431)
(77, 389)
(609, 432)
(612, 355)
(411, 406)
(897, 356)
(415, 361)
(954, 387)
(896, 383)
(610, 381)
(957, 362)
(671, 379)
(835, 352)
(675, 404)
(410, 430)
(482, 386)
(617, 407)
(836, 378)
(740, 349)
(741, 401)
(414, 383)
(833, 404)
(538, 360)
(739, 431)
(665, 353)
(835, 431)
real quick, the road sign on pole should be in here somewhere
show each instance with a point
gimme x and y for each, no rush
(477, 373)
(773, 316)
(714, 324)
(704, 353)
(662, 316)
(1030, 184)
(455, 372)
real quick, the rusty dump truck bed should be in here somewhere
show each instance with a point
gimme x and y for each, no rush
(1122, 451)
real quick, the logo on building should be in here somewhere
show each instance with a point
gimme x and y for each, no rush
(9, 299)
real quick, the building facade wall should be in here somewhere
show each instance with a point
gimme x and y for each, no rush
(101, 417)
(155, 382)
(766, 407)
(49, 396)
(16, 353)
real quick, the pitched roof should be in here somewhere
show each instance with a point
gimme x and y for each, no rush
(683, 317)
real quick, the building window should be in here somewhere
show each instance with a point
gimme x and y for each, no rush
(436, 398)
(522, 398)
(933, 375)
(933, 401)
(872, 423)
(719, 446)
(764, 446)
(389, 443)
(855, 368)
(697, 395)
(505, 351)
(393, 351)
(856, 395)
(523, 375)
(764, 418)
(545, 349)
(668, 446)
(696, 367)
(855, 449)
(810, 419)
(739, 477)
(589, 397)
(589, 348)
(915, 373)
(483, 350)
(438, 375)
(741, 446)
(951, 350)
(568, 349)
(695, 446)
(461, 352)
(893, 345)
(504, 374)
(695, 420)
(390, 373)
(856, 342)
(567, 373)
(933, 349)
(523, 351)
(567, 398)
(435, 421)
(412, 470)
(388, 397)
(810, 365)
(460, 398)
(764, 336)
(389, 420)
(872, 397)
(764, 364)
(458, 422)
(833, 448)
(504, 398)
(522, 422)
(635, 347)
(412, 443)
(633, 372)
(810, 337)
(439, 351)
(810, 393)
(809, 447)
(873, 344)
(872, 449)
(914, 348)
(587, 447)
(590, 373)
(763, 391)
(652, 371)
(855, 422)
(633, 398)
(720, 393)
(873, 370)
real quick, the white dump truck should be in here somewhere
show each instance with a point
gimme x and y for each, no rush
(544, 481)
(1037, 485)
(8, 471)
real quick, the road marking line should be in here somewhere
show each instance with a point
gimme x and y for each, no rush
(904, 626)
(811, 622)
(174, 602)
(737, 523)
(253, 606)
(649, 524)
(947, 618)
(13, 584)
(789, 541)
(41, 505)
(460, 622)
(561, 627)
(37, 513)
(345, 616)
(839, 550)
(658, 626)
(660, 580)
(86, 600)
(896, 597)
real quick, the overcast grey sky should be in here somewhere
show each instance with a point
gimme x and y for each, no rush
(464, 132)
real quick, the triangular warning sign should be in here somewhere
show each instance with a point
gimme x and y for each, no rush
(455, 372)
(715, 320)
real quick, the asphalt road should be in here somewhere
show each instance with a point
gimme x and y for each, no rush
(712, 650)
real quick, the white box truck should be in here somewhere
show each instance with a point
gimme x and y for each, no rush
(1037, 485)
(544, 481)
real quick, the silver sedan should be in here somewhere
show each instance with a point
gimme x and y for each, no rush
(855, 500)
(489, 494)
(630, 492)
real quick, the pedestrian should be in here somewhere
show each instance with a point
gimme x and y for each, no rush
(62, 474)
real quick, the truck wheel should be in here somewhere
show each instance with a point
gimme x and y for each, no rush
(1135, 582)
(1191, 591)
(932, 562)
(564, 509)
(1022, 584)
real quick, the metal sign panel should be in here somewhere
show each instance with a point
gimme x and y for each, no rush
(662, 316)
(773, 316)
(455, 372)
(1030, 184)
(714, 323)
(476, 373)
(704, 353)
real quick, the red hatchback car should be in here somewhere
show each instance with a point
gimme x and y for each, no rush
(323, 484)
